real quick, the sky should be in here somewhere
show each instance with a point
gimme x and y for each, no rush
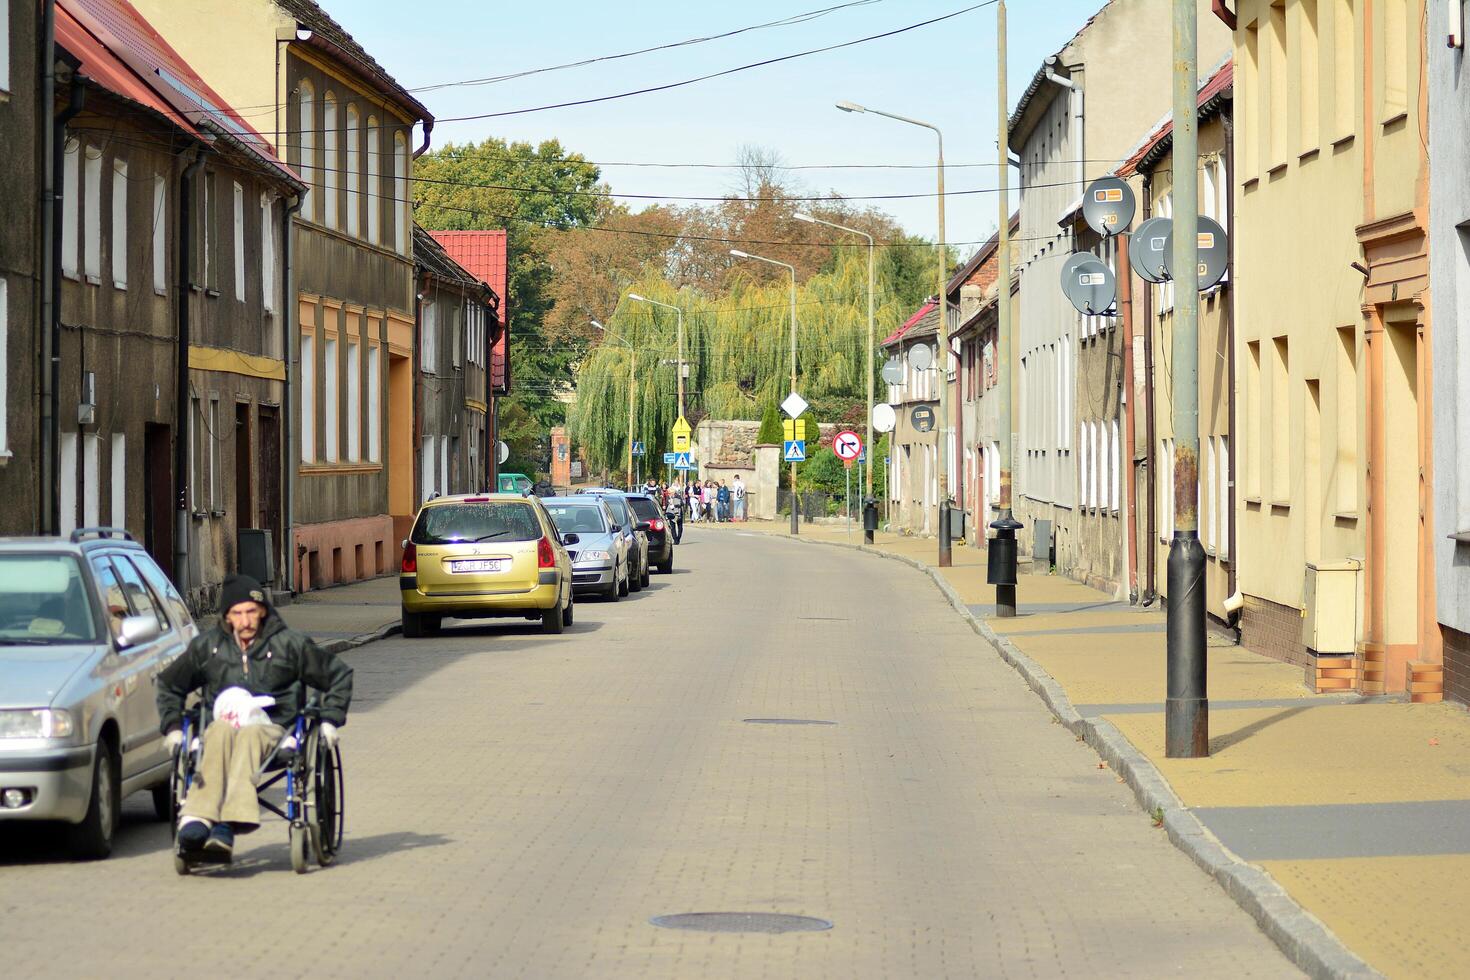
(943, 74)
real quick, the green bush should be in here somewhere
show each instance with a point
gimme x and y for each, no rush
(770, 431)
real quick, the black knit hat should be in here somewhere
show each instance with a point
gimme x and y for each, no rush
(240, 588)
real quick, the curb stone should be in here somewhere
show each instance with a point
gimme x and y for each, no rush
(1301, 936)
(340, 645)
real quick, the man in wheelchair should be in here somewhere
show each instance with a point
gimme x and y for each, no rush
(249, 647)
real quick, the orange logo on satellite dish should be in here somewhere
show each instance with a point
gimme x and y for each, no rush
(1108, 195)
(1206, 239)
(1110, 219)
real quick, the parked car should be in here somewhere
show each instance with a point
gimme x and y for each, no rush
(599, 554)
(514, 483)
(485, 555)
(660, 537)
(633, 528)
(86, 625)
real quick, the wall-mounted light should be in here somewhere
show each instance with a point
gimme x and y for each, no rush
(303, 33)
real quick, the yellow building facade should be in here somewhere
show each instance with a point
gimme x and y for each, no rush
(1333, 445)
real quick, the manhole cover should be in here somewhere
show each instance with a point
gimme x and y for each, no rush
(786, 721)
(767, 922)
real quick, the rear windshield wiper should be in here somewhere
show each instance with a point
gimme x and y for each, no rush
(492, 534)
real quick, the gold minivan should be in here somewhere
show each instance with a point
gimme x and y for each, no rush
(482, 555)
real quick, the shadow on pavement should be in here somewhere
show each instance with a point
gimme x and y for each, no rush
(1225, 741)
(276, 857)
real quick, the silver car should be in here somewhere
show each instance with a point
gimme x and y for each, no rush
(599, 553)
(86, 625)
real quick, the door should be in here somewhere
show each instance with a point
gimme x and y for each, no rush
(268, 476)
(122, 670)
(244, 484)
(158, 496)
(142, 744)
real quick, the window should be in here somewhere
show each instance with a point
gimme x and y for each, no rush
(1395, 57)
(331, 395)
(91, 486)
(354, 401)
(374, 204)
(92, 213)
(119, 460)
(1346, 468)
(1115, 451)
(354, 175)
(5, 53)
(70, 199)
(4, 367)
(1222, 193)
(333, 160)
(1254, 432)
(267, 253)
(429, 355)
(119, 247)
(307, 154)
(426, 466)
(141, 599)
(1280, 422)
(1344, 70)
(1208, 525)
(196, 423)
(1082, 464)
(210, 239)
(454, 335)
(375, 417)
(211, 436)
(1166, 290)
(1249, 100)
(239, 211)
(308, 399)
(1098, 462)
(1308, 103)
(1277, 87)
(67, 488)
(160, 235)
(444, 486)
(402, 207)
(1222, 465)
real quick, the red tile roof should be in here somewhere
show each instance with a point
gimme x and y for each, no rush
(120, 51)
(1164, 135)
(484, 255)
(920, 319)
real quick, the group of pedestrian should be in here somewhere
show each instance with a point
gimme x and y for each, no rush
(705, 501)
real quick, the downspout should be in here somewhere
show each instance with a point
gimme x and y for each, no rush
(51, 207)
(289, 311)
(416, 372)
(1150, 588)
(1079, 133)
(1232, 584)
(184, 271)
(428, 128)
(1130, 522)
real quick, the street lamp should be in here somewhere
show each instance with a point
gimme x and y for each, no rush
(632, 365)
(679, 368)
(943, 456)
(795, 526)
(872, 340)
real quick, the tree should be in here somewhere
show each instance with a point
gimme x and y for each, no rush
(770, 431)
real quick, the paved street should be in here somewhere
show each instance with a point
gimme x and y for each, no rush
(522, 805)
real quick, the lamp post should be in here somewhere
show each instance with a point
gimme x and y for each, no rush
(678, 368)
(872, 340)
(945, 557)
(795, 527)
(632, 365)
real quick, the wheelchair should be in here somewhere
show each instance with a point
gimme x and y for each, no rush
(314, 788)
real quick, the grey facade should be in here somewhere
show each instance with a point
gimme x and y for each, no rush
(913, 475)
(1449, 261)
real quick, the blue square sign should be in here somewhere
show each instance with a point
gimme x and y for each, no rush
(795, 450)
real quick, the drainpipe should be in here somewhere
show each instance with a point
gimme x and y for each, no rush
(1150, 587)
(1227, 296)
(289, 311)
(51, 205)
(421, 284)
(1078, 132)
(428, 128)
(1130, 511)
(184, 270)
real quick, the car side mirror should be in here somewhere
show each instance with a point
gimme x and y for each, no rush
(571, 537)
(644, 526)
(617, 528)
(404, 544)
(136, 631)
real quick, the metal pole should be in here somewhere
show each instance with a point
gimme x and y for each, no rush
(1002, 550)
(942, 455)
(795, 517)
(679, 368)
(1186, 707)
(632, 360)
(872, 342)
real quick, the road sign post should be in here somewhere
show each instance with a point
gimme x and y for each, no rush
(793, 405)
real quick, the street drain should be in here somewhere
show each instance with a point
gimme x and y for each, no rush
(766, 922)
(786, 721)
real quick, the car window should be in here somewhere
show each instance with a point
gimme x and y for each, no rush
(140, 596)
(619, 509)
(163, 587)
(43, 600)
(465, 522)
(646, 509)
(110, 590)
(577, 518)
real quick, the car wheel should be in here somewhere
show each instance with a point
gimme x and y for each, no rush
(432, 624)
(567, 614)
(666, 567)
(635, 580)
(413, 625)
(552, 621)
(643, 582)
(623, 587)
(92, 838)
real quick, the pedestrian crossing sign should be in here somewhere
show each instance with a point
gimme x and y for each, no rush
(637, 448)
(683, 462)
(795, 450)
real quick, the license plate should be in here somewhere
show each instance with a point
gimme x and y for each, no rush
(478, 565)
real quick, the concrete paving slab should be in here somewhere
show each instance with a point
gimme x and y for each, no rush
(1342, 830)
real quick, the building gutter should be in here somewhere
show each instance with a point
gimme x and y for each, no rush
(289, 312)
(1226, 15)
(54, 144)
(1232, 586)
(183, 271)
(1130, 523)
(1079, 133)
(428, 128)
(1151, 583)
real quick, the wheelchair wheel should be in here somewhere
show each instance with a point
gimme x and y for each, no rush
(178, 780)
(300, 858)
(328, 819)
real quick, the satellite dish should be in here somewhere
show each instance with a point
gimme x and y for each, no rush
(893, 371)
(1214, 252)
(884, 417)
(920, 357)
(922, 417)
(1091, 287)
(1073, 261)
(1108, 206)
(502, 452)
(1146, 249)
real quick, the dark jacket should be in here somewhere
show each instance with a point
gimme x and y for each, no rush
(281, 662)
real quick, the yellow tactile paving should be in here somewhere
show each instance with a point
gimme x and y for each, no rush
(1047, 622)
(1353, 753)
(1404, 915)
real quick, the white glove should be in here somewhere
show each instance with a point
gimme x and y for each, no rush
(173, 741)
(329, 734)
